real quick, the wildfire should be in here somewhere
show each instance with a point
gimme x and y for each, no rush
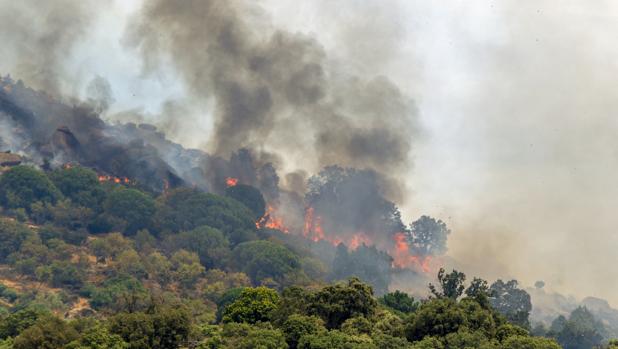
(117, 180)
(402, 257)
(271, 221)
(230, 181)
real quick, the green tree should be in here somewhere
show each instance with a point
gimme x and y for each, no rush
(246, 336)
(21, 186)
(428, 236)
(15, 323)
(525, 342)
(47, 333)
(296, 326)
(186, 268)
(80, 185)
(209, 243)
(98, 337)
(337, 303)
(581, 331)
(12, 235)
(186, 209)
(335, 340)
(511, 301)
(253, 305)
(451, 285)
(399, 301)
(133, 207)
(264, 259)
(248, 196)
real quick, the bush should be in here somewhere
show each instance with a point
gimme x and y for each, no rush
(21, 186)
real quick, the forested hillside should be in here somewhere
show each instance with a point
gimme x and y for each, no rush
(92, 262)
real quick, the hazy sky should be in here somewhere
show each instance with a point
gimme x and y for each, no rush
(518, 150)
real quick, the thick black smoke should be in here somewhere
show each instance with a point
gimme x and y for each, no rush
(276, 91)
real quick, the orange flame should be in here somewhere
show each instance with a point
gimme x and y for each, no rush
(271, 221)
(230, 181)
(402, 257)
(117, 180)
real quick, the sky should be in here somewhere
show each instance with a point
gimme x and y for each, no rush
(516, 100)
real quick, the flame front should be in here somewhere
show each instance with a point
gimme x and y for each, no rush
(272, 221)
(403, 258)
(230, 181)
(117, 180)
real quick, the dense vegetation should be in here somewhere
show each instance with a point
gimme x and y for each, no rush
(90, 264)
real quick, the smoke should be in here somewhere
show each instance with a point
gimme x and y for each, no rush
(38, 39)
(277, 91)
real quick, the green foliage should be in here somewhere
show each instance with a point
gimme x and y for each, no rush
(252, 305)
(47, 333)
(248, 196)
(133, 207)
(335, 340)
(511, 301)
(80, 185)
(15, 323)
(119, 293)
(428, 236)
(245, 336)
(165, 328)
(264, 259)
(524, 342)
(209, 243)
(399, 301)
(12, 235)
(337, 303)
(296, 326)
(580, 331)
(451, 285)
(187, 209)
(98, 337)
(367, 263)
(21, 186)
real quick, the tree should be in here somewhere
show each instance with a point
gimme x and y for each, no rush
(246, 336)
(98, 337)
(580, 331)
(47, 333)
(186, 209)
(248, 196)
(133, 207)
(297, 326)
(80, 185)
(451, 285)
(12, 235)
(511, 301)
(367, 263)
(428, 236)
(525, 342)
(335, 340)
(399, 301)
(209, 243)
(252, 305)
(21, 186)
(264, 259)
(186, 268)
(479, 291)
(337, 303)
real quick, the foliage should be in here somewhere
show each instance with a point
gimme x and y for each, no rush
(209, 243)
(21, 186)
(337, 303)
(248, 196)
(264, 259)
(252, 305)
(511, 301)
(80, 185)
(451, 285)
(133, 207)
(399, 301)
(428, 236)
(367, 263)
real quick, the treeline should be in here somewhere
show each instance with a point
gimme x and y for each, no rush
(86, 263)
